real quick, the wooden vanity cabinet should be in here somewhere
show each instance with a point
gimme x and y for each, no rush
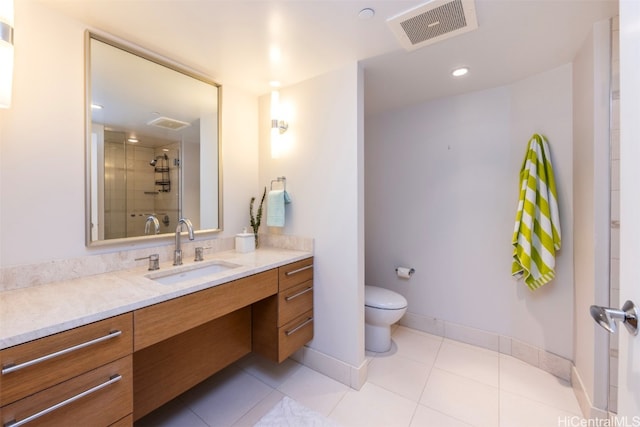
(84, 373)
(181, 342)
(159, 322)
(283, 323)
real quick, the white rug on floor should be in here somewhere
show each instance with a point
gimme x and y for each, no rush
(289, 413)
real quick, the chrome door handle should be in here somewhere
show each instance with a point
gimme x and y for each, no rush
(606, 317)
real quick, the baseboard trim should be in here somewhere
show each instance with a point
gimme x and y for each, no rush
(540, 358)
(588, 410)
(352, 376)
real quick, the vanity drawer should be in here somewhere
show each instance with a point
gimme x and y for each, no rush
(295, 301)
(295, 335)
(40, 364)
(100, 397)
(295, 273)
(277, 343)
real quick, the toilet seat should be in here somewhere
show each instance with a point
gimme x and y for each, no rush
(376, 297)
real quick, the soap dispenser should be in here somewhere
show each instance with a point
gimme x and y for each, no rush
(245, 242)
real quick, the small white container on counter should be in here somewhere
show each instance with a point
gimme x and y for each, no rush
(245, 242)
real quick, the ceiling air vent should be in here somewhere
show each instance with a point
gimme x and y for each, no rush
(167, 123)
(433, 22)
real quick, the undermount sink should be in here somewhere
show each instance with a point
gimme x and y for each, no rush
(195, 272)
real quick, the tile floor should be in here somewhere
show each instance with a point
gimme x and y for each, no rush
(424, 380)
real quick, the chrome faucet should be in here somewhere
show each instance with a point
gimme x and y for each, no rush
(156, 224)
(177, 254)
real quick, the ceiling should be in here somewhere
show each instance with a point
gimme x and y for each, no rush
(247, 44)
(145, 100)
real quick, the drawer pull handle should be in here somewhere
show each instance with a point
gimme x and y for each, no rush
(14, 423)
(294, 296)
(300, 326)
(292, 272)
(12, 368)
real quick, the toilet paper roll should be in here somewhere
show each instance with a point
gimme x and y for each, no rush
(405, 272)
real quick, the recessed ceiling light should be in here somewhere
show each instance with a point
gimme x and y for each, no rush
(133, 140)
(97, 106)
(366, 13)
(459, 72)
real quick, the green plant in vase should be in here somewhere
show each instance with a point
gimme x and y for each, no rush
(255, 220)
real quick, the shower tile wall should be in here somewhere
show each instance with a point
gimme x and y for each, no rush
(140, 188)
(115, 179)
(166, 203)
(131, 193)
(614, 291)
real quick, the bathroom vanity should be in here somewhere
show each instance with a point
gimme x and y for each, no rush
(114, 369)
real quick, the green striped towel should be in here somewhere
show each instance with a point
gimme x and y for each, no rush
(536, 236)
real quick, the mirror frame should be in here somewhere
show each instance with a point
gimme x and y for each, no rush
(162, 61)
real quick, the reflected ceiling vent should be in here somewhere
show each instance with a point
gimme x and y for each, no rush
(168, 123)
(433, 22)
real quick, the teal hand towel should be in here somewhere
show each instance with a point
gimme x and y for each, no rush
(275, 208)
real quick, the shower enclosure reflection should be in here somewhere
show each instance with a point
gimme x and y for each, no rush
(139, 182)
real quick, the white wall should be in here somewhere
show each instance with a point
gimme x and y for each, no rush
(591, 200)
(42, 144)
(441, 196)
(324, 171)
(42, 208)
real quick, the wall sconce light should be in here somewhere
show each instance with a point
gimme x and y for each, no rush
(276, 123)
(6, 52)
(278, 126)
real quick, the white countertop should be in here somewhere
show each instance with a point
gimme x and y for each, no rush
(35, 312)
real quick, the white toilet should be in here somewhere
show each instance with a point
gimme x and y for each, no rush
(382, 308)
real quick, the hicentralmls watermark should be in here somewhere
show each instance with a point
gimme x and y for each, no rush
(576, 421)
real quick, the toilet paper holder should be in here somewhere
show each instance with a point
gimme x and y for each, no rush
(405, 272)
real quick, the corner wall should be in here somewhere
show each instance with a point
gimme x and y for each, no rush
(323, 166)
(441, 196)
(591, 74)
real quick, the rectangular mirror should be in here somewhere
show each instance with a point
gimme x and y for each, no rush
(152, 145)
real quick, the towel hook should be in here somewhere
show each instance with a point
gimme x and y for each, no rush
(281, 179)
